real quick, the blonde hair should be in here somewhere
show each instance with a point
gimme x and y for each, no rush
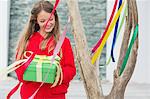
(32, 27)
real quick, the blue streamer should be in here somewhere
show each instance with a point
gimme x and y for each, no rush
(115, 35)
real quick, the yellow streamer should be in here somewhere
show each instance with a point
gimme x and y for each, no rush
(99, 50)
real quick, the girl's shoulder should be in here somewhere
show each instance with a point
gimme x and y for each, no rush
(66, 41)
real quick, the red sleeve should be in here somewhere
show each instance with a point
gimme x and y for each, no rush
(68, 67)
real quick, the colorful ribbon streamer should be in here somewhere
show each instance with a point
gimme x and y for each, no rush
(15, 65)
(52, 13)
(25, 64)
(13, 90)
(111, 17)
(61, 39)
(115, 35)
(129, 50)
(118, 32)
(99, 50)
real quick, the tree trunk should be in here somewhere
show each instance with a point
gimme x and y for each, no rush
(120, 82)
(90, 78)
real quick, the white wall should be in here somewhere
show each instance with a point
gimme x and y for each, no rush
(4, 29)
(142, 69)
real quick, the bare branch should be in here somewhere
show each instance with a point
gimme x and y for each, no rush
(126, 37)
(133, 56)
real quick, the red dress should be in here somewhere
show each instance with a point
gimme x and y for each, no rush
(68, 68)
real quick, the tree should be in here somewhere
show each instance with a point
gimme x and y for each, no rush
(88, 71)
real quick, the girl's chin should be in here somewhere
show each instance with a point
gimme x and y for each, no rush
(48, 30)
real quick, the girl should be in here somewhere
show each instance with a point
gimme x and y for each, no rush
(42, 41)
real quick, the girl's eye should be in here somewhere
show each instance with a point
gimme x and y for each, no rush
(51, 19)
(42, 21)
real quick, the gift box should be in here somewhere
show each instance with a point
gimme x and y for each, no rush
(40, 67)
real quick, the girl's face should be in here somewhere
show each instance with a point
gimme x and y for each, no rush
(42, 19)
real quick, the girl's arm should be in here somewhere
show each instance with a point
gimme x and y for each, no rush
(68, 67)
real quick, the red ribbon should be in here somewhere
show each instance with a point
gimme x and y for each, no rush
(53, 11)
(104, 33)
(24, 66)
(13, 90)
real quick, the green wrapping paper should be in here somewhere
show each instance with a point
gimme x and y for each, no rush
(38, 68)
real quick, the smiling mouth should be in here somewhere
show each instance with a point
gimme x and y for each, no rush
(49, 27)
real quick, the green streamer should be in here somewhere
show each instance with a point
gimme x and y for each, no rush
(129, 50)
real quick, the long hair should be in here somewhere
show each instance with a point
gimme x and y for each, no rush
(32, 27)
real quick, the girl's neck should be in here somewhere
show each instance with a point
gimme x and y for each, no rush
(42, 33)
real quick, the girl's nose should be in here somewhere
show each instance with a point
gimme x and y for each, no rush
(48, 23)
